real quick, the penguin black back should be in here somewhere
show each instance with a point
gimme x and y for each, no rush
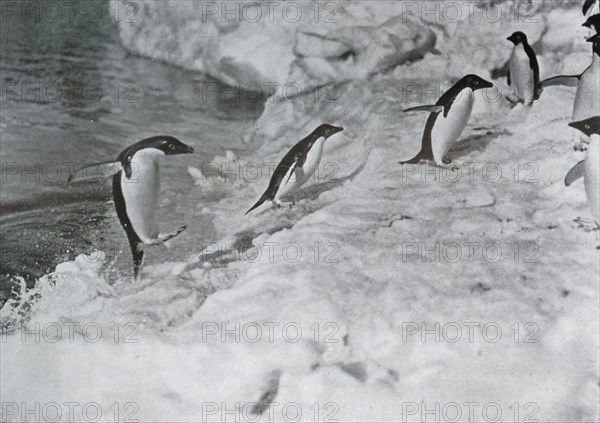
(520, 38)
(135, 242)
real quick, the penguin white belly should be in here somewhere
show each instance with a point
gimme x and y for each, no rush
(587, 99)
(592, 177)
(141, 194)
(302, 173)
(521, 75)
(446, 130)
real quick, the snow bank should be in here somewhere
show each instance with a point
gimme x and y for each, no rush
(264, 46)
(387, 293)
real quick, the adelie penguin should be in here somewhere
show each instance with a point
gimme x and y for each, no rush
(589, 168)
(587, 97)
(448, 119)
(524, 71)
(297, 166)
(136, 187)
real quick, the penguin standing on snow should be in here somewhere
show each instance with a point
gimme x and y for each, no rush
(300, 162)
(589, 168)
(587, 97)
(136, 186)
(448, 119)
(524, 71)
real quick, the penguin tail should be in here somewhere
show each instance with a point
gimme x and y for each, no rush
(421, 156)
(263, 198)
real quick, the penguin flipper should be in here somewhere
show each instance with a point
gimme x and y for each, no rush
(429, 108)
(95, 171)
(162, 238)
(587, 5)
(575, 173)
(262, 199)
(567, 80)
(508, 78)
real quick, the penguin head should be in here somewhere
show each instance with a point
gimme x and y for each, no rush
(327, 130)
(518, 38)
(589, 126)
(476, 82)
(595, 40)
(593, 21)
(167, 144)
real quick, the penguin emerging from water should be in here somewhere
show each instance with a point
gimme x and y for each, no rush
(587, 98)
(448, 119)
(300, 162)
(136, 186)
(524, 70)
(589, 168)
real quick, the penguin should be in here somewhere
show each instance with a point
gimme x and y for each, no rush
(448, 119)
(587, 97)
(524, 70)
(136, 186)
(301, 162)
(589, 168)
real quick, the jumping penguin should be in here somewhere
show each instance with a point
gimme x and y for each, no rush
(589, 168)
(136, 186)
(448, 119)
(301, 162)
(524, 71)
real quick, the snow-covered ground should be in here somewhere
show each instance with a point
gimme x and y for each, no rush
(388, 293)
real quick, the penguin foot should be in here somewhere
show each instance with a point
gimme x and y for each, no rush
(278, 204)
(580, 146)
(451, 166)
(163, 238)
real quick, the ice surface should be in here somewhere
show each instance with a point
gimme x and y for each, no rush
(369, 272)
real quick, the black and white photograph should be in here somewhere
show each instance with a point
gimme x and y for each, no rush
(282, 211)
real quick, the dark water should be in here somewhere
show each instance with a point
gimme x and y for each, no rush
(72, 95)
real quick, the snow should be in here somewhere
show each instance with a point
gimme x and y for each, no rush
(379, 267)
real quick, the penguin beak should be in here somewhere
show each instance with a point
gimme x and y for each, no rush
(189, 150)
(336, 129)
(487, 84)
(577, 125)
